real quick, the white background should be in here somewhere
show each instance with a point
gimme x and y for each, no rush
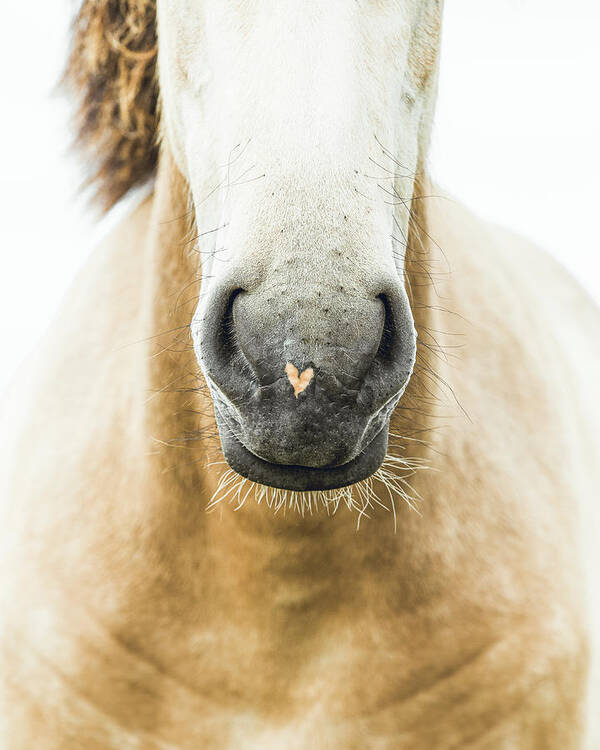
(516, 138)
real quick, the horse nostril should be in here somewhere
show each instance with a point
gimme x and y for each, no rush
(386, 343)
(226, 333)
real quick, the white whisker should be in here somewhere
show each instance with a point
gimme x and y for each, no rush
(388, 483)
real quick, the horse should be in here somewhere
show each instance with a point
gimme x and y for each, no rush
(309, 456)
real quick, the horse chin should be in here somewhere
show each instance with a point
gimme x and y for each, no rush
(303, 478)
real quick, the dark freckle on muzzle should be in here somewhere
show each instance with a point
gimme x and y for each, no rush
(304, 380)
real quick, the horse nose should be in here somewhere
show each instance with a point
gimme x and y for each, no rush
(306, 374)
(335, 334)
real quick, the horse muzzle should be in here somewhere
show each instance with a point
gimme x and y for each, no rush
(305, 378)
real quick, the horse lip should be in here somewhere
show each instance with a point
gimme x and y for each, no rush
(302, 478)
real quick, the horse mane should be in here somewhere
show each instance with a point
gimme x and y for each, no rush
(112, 73)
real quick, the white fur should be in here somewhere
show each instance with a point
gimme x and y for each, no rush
(274, 110)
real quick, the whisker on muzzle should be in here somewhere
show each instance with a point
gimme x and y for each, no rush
(381, 490)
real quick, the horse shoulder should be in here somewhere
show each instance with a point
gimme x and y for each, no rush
(526, 375)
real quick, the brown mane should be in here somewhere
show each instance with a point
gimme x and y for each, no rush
(112, 72)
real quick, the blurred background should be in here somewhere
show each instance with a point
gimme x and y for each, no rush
(516, 138)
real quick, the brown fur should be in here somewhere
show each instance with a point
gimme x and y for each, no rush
(112, 72)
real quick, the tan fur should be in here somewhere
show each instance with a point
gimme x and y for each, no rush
(131, 617)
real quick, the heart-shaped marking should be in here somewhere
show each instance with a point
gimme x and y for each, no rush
(299, 382)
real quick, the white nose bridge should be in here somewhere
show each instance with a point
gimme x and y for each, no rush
(301, 107)
(312, 220)
(295, 87)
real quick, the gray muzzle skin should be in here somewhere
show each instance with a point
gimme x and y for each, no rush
(304, 380)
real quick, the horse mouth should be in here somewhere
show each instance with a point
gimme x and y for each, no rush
(303, 478)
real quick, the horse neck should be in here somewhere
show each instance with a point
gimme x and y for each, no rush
(186, 466)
